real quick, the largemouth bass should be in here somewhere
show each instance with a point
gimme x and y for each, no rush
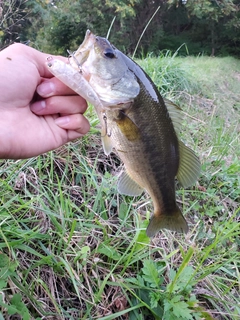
(136, 123)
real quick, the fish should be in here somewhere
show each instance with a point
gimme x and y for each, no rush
(137, 124)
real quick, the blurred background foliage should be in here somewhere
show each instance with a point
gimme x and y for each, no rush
(210, 27)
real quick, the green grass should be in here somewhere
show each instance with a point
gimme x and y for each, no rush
(72, 248)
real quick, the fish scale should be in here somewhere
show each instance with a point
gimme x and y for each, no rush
(156, 159)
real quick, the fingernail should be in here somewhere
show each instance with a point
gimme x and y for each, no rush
(38, 106)
(46, 89)
(62, 121)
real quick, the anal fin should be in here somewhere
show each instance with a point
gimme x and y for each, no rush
(127, 186)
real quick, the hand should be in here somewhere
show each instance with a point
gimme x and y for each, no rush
(38, 113)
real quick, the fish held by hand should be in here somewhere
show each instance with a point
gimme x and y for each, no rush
(138, 124)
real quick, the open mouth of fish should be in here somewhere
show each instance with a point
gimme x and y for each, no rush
(78, 57)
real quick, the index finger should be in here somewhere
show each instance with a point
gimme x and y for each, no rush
(32, 55)
(53, 87)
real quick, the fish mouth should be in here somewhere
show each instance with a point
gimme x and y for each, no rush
(91, 42)
(78, 57)
(88, 41)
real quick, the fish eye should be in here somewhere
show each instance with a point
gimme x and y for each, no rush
(109, 54)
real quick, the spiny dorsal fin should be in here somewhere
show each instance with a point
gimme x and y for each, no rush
(189, 166)
(128, 186)
(175, 114)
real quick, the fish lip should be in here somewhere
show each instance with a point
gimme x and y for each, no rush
(91, 41)
(89, 37)
(78, 57)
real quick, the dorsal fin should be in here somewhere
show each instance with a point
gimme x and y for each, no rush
(189, 166)
(175, 114)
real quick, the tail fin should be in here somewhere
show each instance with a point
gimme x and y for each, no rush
(173, 221)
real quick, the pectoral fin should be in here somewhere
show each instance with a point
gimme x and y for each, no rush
(128, 186)
(128, 128)
(189, 166)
